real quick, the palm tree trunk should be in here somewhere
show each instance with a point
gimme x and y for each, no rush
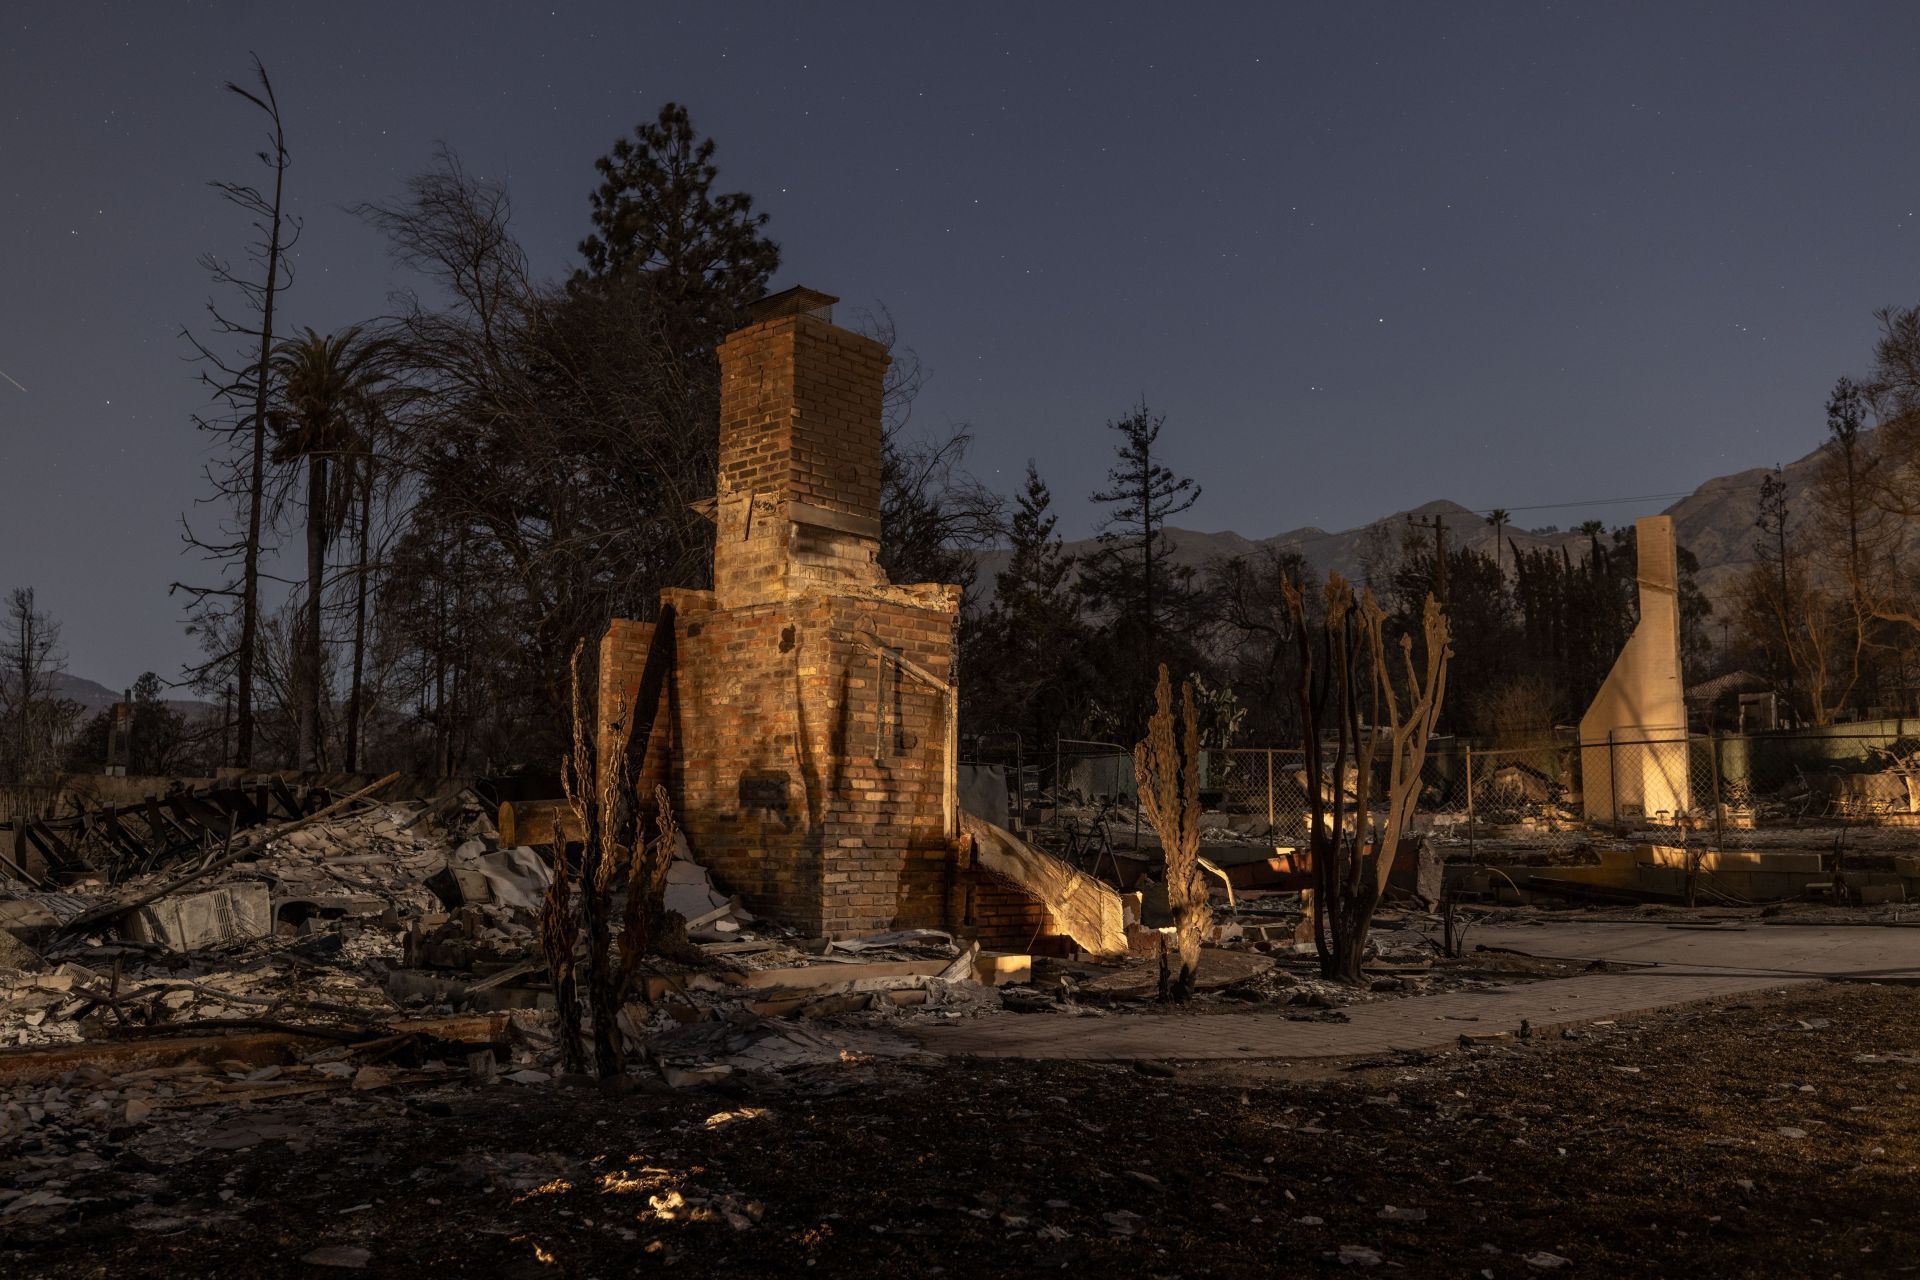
(311, 753)
(360, 615)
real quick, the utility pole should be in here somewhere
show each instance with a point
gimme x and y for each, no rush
(1439, 527)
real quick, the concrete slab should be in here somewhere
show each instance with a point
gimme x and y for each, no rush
(1831, 951)
(1684, 965)
(1416, 1022)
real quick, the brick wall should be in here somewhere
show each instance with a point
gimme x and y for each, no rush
(1003, 918)
(747, 769)
(811, 776)
(888, 850)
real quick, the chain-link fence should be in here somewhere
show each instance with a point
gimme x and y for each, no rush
(1267, 784)
(1839, 775)
(1528, 794)
(1560, 792)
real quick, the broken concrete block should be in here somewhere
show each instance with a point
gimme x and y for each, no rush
(1147, 941)
(690, 890)
(694, 1077)
(517, 877)
(409, 986)
(235, 912)
(29, 919)
(458, 887)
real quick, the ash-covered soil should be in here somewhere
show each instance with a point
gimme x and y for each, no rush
(1774, 1136)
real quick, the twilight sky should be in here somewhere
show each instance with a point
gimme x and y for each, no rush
(1361, 256)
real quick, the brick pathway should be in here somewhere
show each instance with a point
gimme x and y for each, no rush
(1414, 1022)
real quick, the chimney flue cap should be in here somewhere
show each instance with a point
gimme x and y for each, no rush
(797, 301)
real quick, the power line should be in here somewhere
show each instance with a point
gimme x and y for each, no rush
(1591, 502)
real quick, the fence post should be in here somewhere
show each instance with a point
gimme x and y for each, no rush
(1719, 802)
(1472, 855)
(1613, 783)
(1269, 791)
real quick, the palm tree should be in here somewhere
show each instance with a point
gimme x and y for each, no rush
(325, 385)
(1498, 519)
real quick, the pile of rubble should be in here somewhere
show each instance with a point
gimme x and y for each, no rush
(373, 944)
(376, 923)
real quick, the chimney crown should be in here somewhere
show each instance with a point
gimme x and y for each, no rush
(797, 301)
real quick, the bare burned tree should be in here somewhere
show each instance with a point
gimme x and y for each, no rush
(554, 444)
(1256, 640)
(234, 367)
(559, 935)
(934, 514)
(1380, 718)
(601, 794)
(599, 776)
(32, 712)
(1167, 764)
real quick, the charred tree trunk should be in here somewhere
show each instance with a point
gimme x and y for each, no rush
(364, 571)
(1346, 945)
(599, 776)
(257, 481)
(1167, 764)
(1353, 841)
(559, 933)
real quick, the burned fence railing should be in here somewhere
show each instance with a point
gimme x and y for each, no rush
(117, 841)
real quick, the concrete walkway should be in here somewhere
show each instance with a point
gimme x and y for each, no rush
(1685, 966)
(1852, 951)
(1415, 1022)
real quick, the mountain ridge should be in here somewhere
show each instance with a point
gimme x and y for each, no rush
(1715, 522)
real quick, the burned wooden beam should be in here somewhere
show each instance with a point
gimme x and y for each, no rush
(283, 794)
(59, 857)
(537, 822)
(165, 828)
(129, 844)
(237, 802)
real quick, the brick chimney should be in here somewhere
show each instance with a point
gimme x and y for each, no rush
(798, 501)
(807, 735)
